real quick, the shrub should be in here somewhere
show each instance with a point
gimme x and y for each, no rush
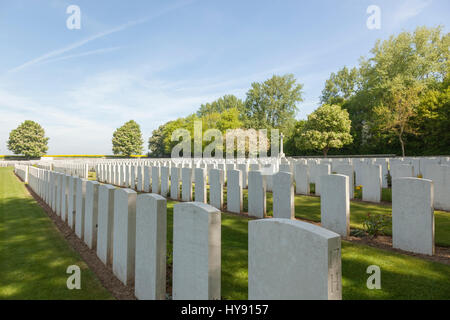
(375, 224)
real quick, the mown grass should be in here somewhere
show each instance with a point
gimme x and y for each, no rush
(402, 276)
(32, 234)
(33, 254)
(308, 208)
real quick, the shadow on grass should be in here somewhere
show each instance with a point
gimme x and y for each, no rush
(35, 257)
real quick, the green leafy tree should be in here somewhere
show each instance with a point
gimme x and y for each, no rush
(432, 121)
(156, 142)
(127, 140)
(327, 127)
(396, 116)
(340, 86)
(290, 146)
(273, 103)
(417, 58)
(28, 139)
(228, 101)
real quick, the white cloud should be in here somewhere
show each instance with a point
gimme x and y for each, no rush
(409, 9)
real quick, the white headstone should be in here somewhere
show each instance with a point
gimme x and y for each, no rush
(80, 207)
(283, 196)
(256, 194)
(399, 170)
(91, 214)
(300, 262)
(175, 174)
(301, 179)
(165, 171)
(71, 201)
(321, 170)
(147, 174)
(440, 175)
(413, 215)
(216, 188)
(196, 252)
(200, 185)
(105, 223)
(151, 234)
(243, 167)
(124, 239)
(156, 186)
(335, 204)
(234, 191)
(371, 182)
(186, 184)
(64, 194)
(347, 170)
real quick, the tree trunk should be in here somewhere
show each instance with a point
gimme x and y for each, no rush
(403, 145)
(325, 152)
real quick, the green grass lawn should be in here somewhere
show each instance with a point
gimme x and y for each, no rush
(33, 254)
(308, 208)
(402, 276)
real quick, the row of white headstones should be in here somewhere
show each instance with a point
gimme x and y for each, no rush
(369, 173)
(128, 231)
(275, 269)
(412, 198)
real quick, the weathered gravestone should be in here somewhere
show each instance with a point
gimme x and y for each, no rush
(80, 207)
(105, 223)
(413, 215)
(175, 174)
(234, 191)
(335, 204)
(91, 214)
(300, 262)
(216, 188)
(196, 252)
(301, 179)
(124, 239)
(283, 196)
(151, 230)
(256, 194)
(200, 185)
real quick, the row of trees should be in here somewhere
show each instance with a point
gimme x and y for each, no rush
(29, 140)
(271, 104)
(398, 98)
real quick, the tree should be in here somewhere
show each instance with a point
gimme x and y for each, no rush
(327, 127)
(432, 121)
(127, 140)
(396, 116)
(156, 142)
(340, 86)
(228, 101)
(28, 139)
(273, 103)
(420, 57)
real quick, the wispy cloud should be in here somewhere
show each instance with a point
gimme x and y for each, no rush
(80, 43)
(82, 54)
(409, 9)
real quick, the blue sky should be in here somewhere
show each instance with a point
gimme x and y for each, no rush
(154, 61)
